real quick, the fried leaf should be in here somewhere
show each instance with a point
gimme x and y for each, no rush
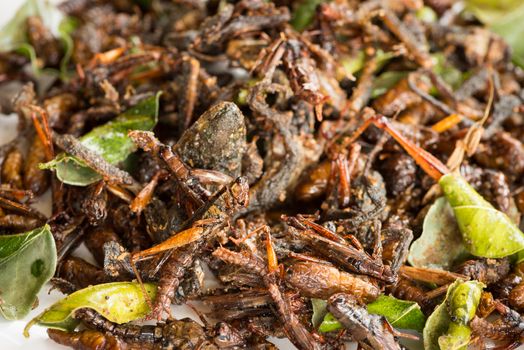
(486, 232)
(119, 302)
(399, 313)
(319, 311)
(304, 14)
(503, 17)
(27, 262)
(109, 140)
(440, 244)
(447, 327)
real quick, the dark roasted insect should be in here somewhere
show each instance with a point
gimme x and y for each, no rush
(488, 271)
(371, 330)
(296, 331)
(508, 328)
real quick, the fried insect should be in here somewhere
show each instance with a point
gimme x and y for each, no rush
(35, 179)
(321, 280)
(173, 334)
(516, 297)
(372, 330)
(175, 265)
(346, 255)
(148, 142)
(12, 168)
(95, 239)
(488, 271)
(109, 172)
(87, 340)
(508, 328)
(296, 331)
(80, 273)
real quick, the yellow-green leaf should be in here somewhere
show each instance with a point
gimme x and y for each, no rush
(486, 231)
(27, 262)
(119, 302)
(400, 313)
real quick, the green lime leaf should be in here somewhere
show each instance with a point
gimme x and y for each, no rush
(447, 327)
(503, 17)
(109, 140)
(119, 302)
(486, 232)
(27, 262)
(400, 313)
(329, 324)
(440, 244)
(319, 311)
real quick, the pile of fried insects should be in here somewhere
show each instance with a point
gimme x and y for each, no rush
(344, 171)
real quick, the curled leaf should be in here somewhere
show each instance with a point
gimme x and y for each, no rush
(447, 327)
(27, 262)
(119, 302)
(319, 311)
(440, 244)
(399, 313)
(109, 141)
(486, 232)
